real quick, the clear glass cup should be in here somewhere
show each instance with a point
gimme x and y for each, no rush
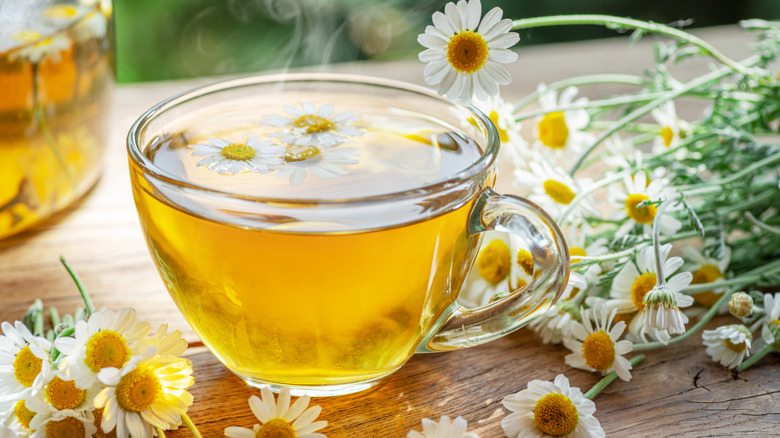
(56, 76)
(318, 285)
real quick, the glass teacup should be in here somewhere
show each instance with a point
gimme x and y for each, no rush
(56, 76)
(315, 229)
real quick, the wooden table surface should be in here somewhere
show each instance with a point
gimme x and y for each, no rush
(676, 391)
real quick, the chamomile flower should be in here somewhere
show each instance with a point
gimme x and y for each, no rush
(230, 158)
(740, 305)
(502, 265)
(19, 418)
(576, 241)
(669, 135)
(728, 345)
(149, 391)
(58, 394)
(444, 428)
(299, 161)
(464, 51)
(550, 409)
(310, 126)
(36, 47)
(24, 360)
(107, 340)
(707, 270)
(554, 325)
(8, 432)
(636, 189)
(635, 280)
(501, 113)
(596, 348)
(553, 189)
(278, 418)
(561, 134)
(663, 302)
(771, 320)
(65, 423)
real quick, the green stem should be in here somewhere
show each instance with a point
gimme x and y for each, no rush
(45, 131)
(741, 280)
(191, 426)
(704, 319)
(584, 80)
(609, 378)
(612, 22)
(90, 309)
(750, 170)
(54, 315)
(594, 104)
(584, 194)
(160, 432)
(768, 348)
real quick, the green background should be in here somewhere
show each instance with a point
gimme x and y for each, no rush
(166, 39)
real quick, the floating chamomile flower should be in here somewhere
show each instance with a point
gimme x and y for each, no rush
(707, 270)
(444, 428)
(231, 158)
(24, 360)
(561, 134)
(36, 47)
(324, 163)
(65, 423)
(596, 348)
(553, 189)
(278, 418)
(634, 281)
(465, 50)
(550, 409)
(636, 189)
(312, 127)
(669, 136)
(106, 340)
(149, 391)
(728, 345)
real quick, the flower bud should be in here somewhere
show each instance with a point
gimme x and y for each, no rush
(741, 305)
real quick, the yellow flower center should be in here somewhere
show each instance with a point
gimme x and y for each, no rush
(26, 36)
(556, 415)
(625, 317)
(98, 414)
(494, 261)
(598, 350)
(553, 131)
(467, 52)
(737, 348)
(642, 215)
(61, 12)
(106, 348)
(23, 415)
(526, 261)
(706, 274)
(300, 153)
(68, 427)
(559, 192)
(63, 394)
(138, 390)
(503, 135)
(576, 251)
(238, 152)
(313, 124)
(667, 134)
(640, 287)
(276, 428)
(27, 366)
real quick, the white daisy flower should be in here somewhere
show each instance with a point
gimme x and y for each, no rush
(59, 394)
(502, 266)
(443, 429)
(463, 59)
(561, 135)
(18, 418)
(278, 418)
(596, 348)
(771, 320)
(24, 361)
(635, 280)
(553, 189)
(94, 25)
(106, 340)
(669, 136)
(707, 270)
(312, 127)
(728, 345)
(663, 303)
(550, 409)
(302, 160)
(576, 241)
(36, 47)
(636, 189)
(65, 423)
(501, 113)
(231, 158)
(554, 325)
(148, 392)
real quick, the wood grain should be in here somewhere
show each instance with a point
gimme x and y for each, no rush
(676, 391)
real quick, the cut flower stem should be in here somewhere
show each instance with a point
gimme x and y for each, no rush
(609, 378)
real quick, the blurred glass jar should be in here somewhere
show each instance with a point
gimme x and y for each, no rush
(56, 76)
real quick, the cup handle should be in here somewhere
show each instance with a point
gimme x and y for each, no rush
(463, 327)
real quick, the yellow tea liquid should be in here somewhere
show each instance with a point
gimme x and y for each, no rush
(307, 299)
(55, 79)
